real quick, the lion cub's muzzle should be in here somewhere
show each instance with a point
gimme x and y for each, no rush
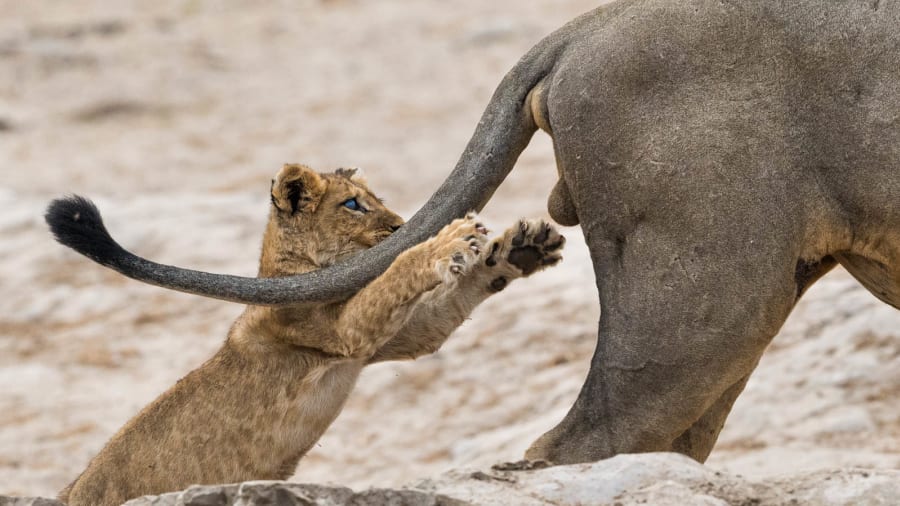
(385, 233)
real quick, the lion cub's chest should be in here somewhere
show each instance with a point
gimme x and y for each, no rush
(312, 403)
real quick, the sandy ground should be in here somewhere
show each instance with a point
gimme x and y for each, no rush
(173, 115)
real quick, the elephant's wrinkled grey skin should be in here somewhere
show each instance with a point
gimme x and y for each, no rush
(720, 156)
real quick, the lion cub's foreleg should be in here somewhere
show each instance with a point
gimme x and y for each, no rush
(377, 312)
(525, 248)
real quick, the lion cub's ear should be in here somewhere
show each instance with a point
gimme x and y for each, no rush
(354, 174)
(297, 188)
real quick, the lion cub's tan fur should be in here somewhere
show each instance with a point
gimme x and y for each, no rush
(282, 376)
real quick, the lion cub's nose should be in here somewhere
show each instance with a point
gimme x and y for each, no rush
(395, 228)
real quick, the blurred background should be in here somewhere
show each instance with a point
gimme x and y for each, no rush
(174, 115)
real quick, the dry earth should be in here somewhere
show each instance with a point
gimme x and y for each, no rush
(173, 115)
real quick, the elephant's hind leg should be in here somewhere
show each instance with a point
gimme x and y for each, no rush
(684, 322)
(879, 277)
(697, 442)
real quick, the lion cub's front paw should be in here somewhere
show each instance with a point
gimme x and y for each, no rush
(529, 246)
(457, 247)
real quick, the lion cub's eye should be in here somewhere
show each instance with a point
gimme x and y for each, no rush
(353, 205)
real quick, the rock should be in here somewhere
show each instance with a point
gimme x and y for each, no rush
(669, 476)
(662, 479)
(28, 501)
(845, 487)
(259, 493)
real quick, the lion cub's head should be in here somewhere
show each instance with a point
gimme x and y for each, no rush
(318, 219)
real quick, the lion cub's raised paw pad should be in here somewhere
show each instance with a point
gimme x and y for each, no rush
(535, 244)
(499, 284)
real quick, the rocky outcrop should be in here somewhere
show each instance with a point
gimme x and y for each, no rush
(258, 493)
(655, 478)
(28, 501)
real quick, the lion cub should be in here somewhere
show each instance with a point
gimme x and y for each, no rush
(282, 376)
